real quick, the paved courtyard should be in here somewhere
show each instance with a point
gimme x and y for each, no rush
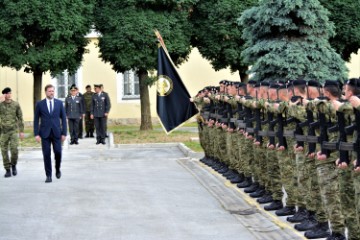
(128, 192)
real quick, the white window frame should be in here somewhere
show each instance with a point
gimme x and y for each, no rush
(78, 82)
(121, 97)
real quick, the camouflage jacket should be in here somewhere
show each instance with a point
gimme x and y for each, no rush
(11, 117)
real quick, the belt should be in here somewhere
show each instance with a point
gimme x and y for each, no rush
(312, 139)
(346, 146)
(300, 138)
(289, 133)
(329, 145)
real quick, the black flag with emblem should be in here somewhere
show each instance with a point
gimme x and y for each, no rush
(173, 100)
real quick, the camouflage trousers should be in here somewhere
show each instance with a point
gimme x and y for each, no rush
(89, 123)
(9, 140)
(303, 179)
(329, 190)
(273, 174)
(288, 175)
(356, 181)
(202, 139)
(233, 150)
(260, 166)
(247, 157)
(221, 146)
(347, 199)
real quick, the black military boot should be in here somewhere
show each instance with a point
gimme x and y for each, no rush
(321, 230)
(254, 186)
(238, 178)
(14, 171)
(299, 216)
(230, 174)
(336, 236)
(285, 211)
(7, 173)
(223, 170)
(267, 198)
(246, 183)
(275, 205)
(87, 135)
(258, 193)
(309, 223)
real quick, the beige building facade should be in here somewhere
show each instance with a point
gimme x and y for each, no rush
(122, 88)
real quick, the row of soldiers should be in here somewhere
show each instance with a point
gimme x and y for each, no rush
(292, 145)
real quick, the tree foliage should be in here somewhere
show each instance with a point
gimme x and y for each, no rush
(345, 15)
(127, 27)
(288, 39)
(43, 36)
(217, 35)
(128, 40)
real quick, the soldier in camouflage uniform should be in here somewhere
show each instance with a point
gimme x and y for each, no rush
(345, 173)
(326, 169)
(89, 123)
(12, 123)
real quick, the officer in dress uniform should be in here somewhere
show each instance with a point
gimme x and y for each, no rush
(100, 107)
(74, 112)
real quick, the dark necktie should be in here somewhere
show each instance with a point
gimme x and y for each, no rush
(51, 109)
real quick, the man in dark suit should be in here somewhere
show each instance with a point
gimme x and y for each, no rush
(100, 107)
(49, 112)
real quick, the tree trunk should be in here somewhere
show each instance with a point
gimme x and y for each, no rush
(244, 77)
(37, 86)
(146, 123)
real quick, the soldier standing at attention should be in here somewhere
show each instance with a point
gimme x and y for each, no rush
(11, 120)
(74, 112)
(100, 107)
(89, 123)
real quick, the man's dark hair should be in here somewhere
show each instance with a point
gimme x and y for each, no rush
(48, 86)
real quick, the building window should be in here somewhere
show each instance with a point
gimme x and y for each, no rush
(128, 86)
(62, 83)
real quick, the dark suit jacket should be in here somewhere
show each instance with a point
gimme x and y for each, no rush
(44, 122)
(100, 104)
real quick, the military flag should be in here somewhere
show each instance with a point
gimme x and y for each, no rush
(173, 100)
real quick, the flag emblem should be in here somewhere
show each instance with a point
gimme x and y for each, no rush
(164, 85)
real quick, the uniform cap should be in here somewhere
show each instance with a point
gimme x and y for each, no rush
(97, 85)
(299, 82)
(223, 82)
(73, 87)
(313, 83)
(88, 86)
(331, 83)
(353, 82)
(6, 90)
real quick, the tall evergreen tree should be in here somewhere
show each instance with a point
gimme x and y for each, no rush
(44, 36)
(218, 36)
(289, 39)
(128, 40)
(345, 15)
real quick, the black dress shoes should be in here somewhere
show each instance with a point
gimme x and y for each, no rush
(58, 174)
(48, 179)
(72, 142)
(103, 141)
(98, 142)
(76, 142)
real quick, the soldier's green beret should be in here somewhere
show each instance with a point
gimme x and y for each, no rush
(6, 90)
